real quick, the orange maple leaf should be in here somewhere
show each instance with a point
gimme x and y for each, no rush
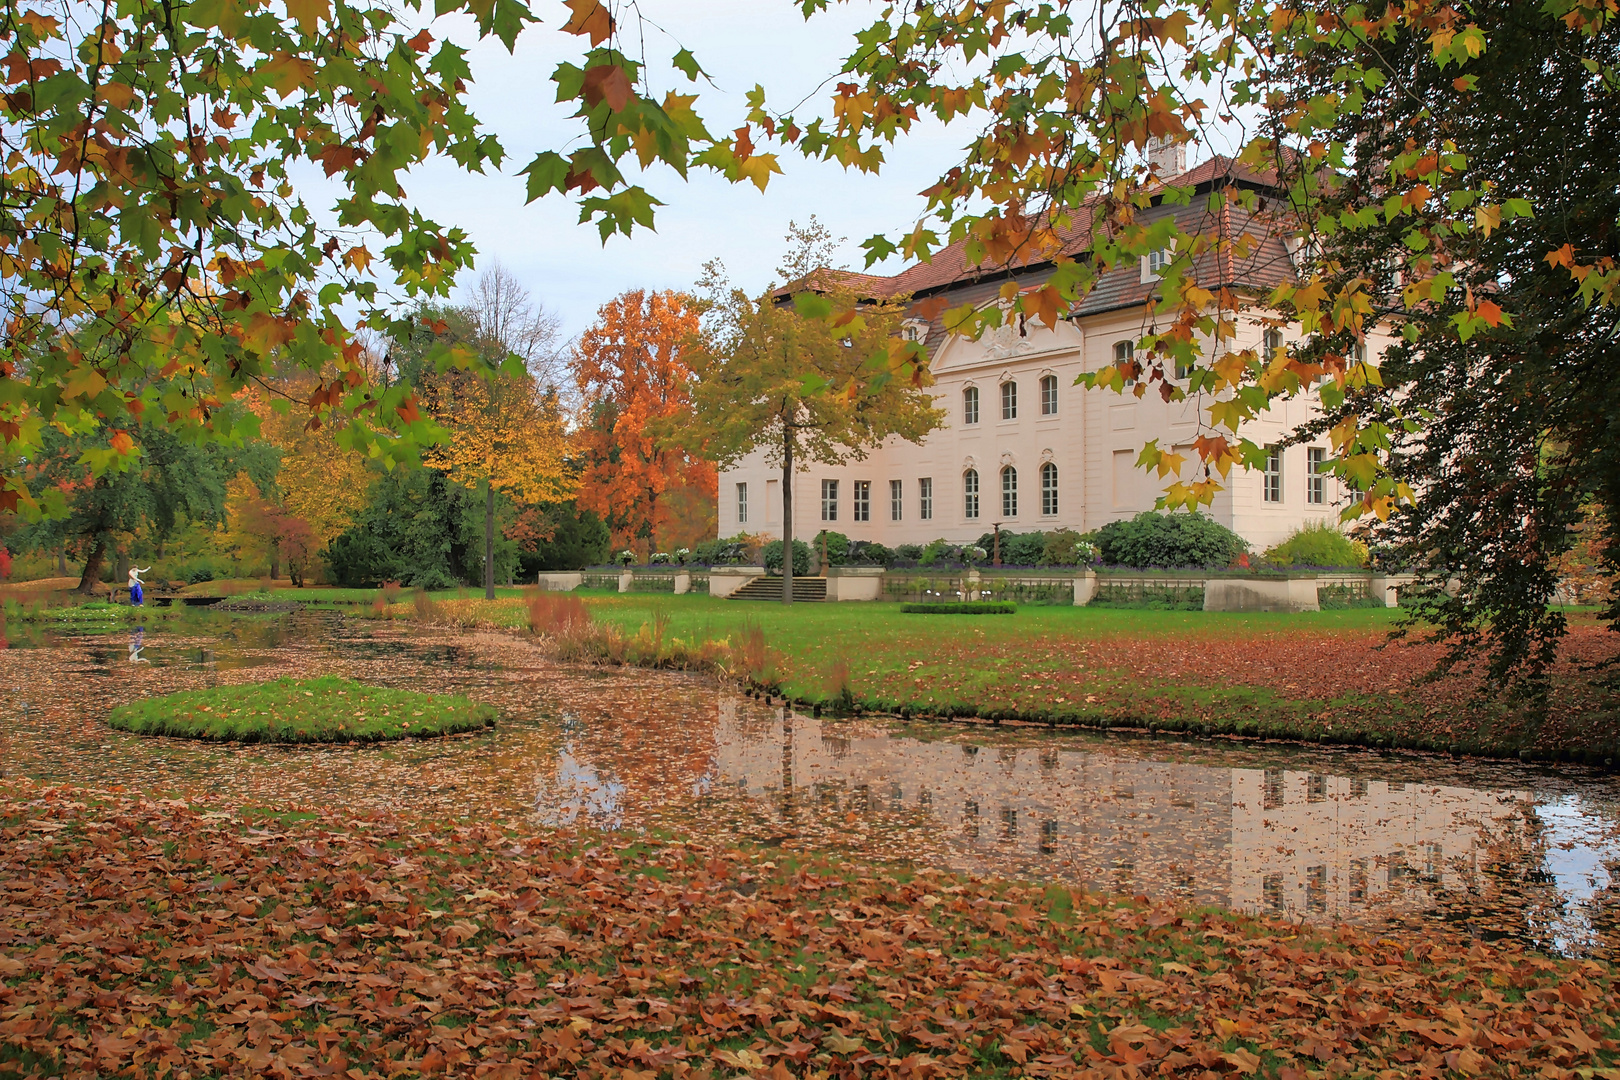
(590, 17)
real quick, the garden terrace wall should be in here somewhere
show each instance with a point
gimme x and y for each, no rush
(1172, 588)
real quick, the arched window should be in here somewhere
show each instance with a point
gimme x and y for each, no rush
(1124, 354)
(1009, 401)
(1048, 395)
(1009, 492)
(970, 494)
(1049, 503)
(970, 405)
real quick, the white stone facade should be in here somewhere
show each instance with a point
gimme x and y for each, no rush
(1091, 438)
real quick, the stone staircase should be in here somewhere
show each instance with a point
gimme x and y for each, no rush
(806, 590)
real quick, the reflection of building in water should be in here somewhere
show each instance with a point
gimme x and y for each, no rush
(1316, 845)
(1334, 846)
(1112, 823)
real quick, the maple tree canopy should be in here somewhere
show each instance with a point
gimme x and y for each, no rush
(151, 225)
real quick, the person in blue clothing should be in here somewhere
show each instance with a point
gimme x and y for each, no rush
(136, 592)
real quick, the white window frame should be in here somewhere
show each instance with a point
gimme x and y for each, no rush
(742, 504)
(1125, 351)
(897, 499)
(1315, 480)
(1271, 480)
(829, 500)
(925, 498)
(1009, 400)
(1049, 395)
(970, 405)
(861, 501)
(970, 494)
(1009, 491)
(1049, 489)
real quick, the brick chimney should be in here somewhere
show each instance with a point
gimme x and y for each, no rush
(1167, 156)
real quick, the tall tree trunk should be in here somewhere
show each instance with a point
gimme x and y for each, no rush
(275, 560)
(92, 565)
(787, 514)
(489, 540)
(61, 560)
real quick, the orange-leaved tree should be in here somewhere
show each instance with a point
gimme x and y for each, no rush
(634, 379)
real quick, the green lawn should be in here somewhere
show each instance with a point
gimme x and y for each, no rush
(326, 709)
(1320, 676)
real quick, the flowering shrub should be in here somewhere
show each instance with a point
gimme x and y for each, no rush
(661, 558)
(973, 553)
(625, 557)
(683, 555)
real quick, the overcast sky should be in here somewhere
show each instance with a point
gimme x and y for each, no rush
(740, 43)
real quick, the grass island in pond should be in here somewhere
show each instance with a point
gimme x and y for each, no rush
(327, 709)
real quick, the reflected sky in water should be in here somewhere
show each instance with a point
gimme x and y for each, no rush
(1300, 832)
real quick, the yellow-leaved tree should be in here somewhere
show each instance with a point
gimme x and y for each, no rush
(507, 435)
(320, 481)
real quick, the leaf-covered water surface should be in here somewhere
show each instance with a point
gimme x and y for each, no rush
(1484, 851)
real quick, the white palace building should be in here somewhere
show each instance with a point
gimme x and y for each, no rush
(1022, 445)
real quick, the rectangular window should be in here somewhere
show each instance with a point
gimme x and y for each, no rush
(1275, 784)
(970, 494)
(1049, 395)
(970, 405)
(1009, 492)
(1009, 401)
(1049, 489)
(925, 498)
(1125, 360)
(1271, 893)
(1273, 477)
(1315, 483)
(742, 504)
(1157, 261)
(1316, 889)
(896, 500)
(829, 500)
(863, 500)
(1184, 368)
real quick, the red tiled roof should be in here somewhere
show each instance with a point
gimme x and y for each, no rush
(949, 265)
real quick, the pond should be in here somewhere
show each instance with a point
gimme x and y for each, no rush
(1310, 834)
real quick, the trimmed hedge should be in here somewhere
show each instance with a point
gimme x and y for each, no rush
(959, 609)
